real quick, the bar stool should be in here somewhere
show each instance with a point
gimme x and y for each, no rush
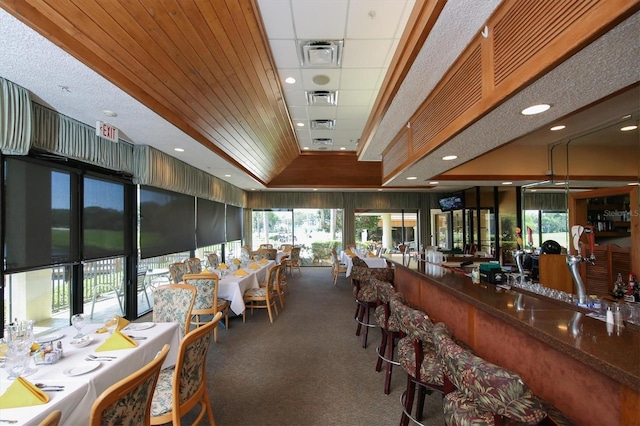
(486, 393)
(365, 296)
(389, 328)
(417, 356)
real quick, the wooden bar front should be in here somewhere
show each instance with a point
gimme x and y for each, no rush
(592, 376)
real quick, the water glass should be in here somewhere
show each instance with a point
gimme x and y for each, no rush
(110, 322)
(17, 362)
(78, 321)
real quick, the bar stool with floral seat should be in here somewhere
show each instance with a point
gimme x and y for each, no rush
(365, 296)
(389, 327)
(417, 356)
(486, 393)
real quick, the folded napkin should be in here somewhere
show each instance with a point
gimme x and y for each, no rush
(223, 266)
(254, 266)
(117, 341)
(287, 249)
(240, 273)
(263, 261)
(348, 252)
(122, 323)
(237, 261)
(22, 393)
(206, 271)
(372, 254)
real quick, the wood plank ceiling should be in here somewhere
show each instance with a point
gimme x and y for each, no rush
(204, 66)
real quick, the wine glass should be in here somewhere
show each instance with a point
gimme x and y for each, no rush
(110, 323)
(78, 321)
(17, 363)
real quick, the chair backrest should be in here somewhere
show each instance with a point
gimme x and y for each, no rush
(413, 322)
(285, 247)
(206, 292)
(194, 265)
(268, 253)
(142, 275)
(174, 303)
(295, 255)
(129, 398)
(213, 260)
(189, 376)
(265, 246)
(53, 419)
(177, 271)
(272, 279)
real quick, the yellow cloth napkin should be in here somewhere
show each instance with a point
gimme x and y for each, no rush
(237, 261)
(263, 261)
(206, 271)
(122, 323)
(223, 266)
(22, 393)
(254, 266)
(240, 273)
(117, 341)
(372, 254)
(348, 252)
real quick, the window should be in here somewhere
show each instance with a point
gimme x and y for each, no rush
(103, 217)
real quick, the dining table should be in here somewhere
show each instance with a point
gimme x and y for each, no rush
(372, 262)
(232, 287)
(83, 379)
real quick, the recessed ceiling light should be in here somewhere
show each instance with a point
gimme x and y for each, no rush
(534, 190)
(412, 178)
(449, 157)
(434, 182)
(535, 109)
(628, 128)
(227, 175)
(560, 183)
(253, 189)
(178, 149)
(299, 124)
(380, 189)
(633, 184)
(315, 189)
(289, 80)
(626, 117)
(109, 113)
(342, 148)
(507, 183)
(556, 128)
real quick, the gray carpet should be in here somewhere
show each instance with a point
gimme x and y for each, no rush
(308, 367)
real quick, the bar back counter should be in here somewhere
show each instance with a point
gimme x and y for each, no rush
(570, 360)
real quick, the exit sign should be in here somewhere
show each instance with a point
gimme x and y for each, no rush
(107, 131)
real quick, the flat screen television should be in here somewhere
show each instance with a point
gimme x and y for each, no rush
(453, 202)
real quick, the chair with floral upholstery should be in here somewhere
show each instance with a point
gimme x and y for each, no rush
(194, 265)
(268, 253)
(173, 303)
(265, 246)
(293, 261)
(184, 386)
(207, 302)
(283, 283)
(214, 260)
(389, 327)
(337, 267)
(177, 271)
(128, 401)
(365, 296)
(417, 356)
(263, 297)
(486, 393)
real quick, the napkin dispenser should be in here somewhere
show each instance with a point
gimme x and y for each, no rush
(47, 354)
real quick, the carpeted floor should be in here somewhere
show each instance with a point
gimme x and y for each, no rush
(307, 368)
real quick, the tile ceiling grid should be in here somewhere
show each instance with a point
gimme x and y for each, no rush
(369, 44)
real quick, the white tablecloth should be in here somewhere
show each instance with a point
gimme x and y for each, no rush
(372, 262)
(81, 391)
(232, 288)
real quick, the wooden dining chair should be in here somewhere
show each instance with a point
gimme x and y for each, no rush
(174, 303)
(263, 297)
(207, 302)
(293, 261)
(177, 271)
(194, 265)
(184, 386)
(213, 260)
(53, 419)
(128, 401)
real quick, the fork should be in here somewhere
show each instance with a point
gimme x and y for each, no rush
(101, 356)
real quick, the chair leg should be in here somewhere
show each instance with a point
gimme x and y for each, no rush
(408, 401)
(389, 367)
(269, 310)
(381, 349)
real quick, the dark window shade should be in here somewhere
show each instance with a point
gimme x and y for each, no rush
(234, 223)
(210, 223)
(167, 222)
(104, 219)
(41, 226)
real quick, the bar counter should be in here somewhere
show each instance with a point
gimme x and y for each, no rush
(567, 358)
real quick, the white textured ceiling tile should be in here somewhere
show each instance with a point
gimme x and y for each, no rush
(321, 112)
(320, 19)
(355, 97)
(360, 79)
(383, 23)
(321, 134)
(365, 53)
(277, 19)
(295, 97)
(353, 113)
(284, 53)
(298, 113)
(344, 124)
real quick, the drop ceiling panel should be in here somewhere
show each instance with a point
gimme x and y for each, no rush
(353, 113)
(332, 74)
(355, 97)
(284, 53)
(365, 53)
(295, 97)
(321, 112)
(374, 19)
(360, 78)
(276, 15)
(320, 19)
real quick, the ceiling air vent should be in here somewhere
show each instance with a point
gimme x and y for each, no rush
(323, 124)
(322, 98)
(323, 141)
(320, 54)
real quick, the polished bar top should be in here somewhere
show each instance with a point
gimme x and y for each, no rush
(613, 351)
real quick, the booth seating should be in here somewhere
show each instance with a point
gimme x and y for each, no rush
(485, 393)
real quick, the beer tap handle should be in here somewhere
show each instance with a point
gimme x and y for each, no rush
(591, 239)
(576, 233)
(519, 238)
